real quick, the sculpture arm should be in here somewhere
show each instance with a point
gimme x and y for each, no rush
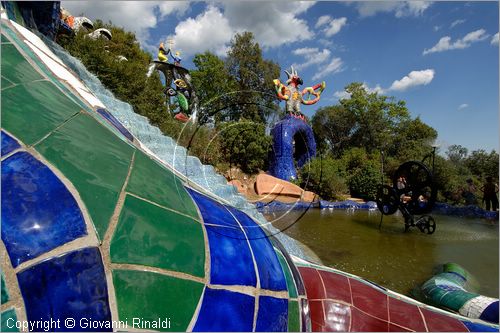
(281, 90)
(315, 91)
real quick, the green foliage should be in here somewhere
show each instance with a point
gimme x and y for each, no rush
(244, 144)
(254, 76)
(364, 181)
(482, 164)
(126, 79)
(325, 177)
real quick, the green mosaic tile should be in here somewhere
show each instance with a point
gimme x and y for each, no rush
(290, 283)
(94, 160)
(293, 316)
(5, 293)
(4, 39)
(33, 110)
(153, 296)
(6, 83)
(8, 321)
(15, 67)
(153, 236)
(166, 189)
(44, 68)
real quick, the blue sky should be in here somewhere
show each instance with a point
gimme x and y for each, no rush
(440, 57)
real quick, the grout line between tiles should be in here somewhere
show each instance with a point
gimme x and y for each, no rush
(12, 285)
(106, 243)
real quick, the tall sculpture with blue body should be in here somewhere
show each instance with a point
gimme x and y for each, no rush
(293, 138)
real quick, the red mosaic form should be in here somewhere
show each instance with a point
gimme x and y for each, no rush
(338, 303)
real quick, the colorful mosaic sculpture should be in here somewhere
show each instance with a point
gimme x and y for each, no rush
(98, 234)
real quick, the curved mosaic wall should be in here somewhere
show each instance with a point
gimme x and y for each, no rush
(99, 235)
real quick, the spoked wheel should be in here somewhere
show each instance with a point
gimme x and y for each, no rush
(426, 224)
(387, 200)
(419, 186)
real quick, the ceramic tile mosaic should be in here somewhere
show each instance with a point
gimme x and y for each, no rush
(293, 316)
(94, 160)
(273, 314)
(153, 296)
(15, 68)
(5, 292)
(152, 236)
(8, 320)
(166, 189)
(212, 211)
(113, 121)
(9, 144)
(32, 221)
(32, 110)
(270, 272)
(234, 312)
(159, 271)
(69, 286)
(231, 262)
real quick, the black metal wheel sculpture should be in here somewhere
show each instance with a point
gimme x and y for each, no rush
(418, 187)
(426, 224)
(387, 200)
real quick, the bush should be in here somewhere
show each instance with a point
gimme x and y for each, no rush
(325, 177)
(245, 145)
(364, 181)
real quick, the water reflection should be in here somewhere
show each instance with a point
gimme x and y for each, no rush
(351, 241)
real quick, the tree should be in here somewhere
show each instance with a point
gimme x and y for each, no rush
(213, 84)
(244, 144)
(456, 153)
(482, 164)
(333, 127)
(254, 77)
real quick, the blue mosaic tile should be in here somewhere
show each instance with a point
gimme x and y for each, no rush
(69, 286)
(8, 143)
(477, 327)
(113, 121)
(273, 314)
(224, 310)
(212, 211)
(38, 212)
(231, 262)
(270, 272)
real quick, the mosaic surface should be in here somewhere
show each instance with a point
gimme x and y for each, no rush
(95, 227)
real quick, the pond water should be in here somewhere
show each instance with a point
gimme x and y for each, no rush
(352, 242)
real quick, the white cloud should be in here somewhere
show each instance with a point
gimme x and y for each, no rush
(463, 106)
(414, 78)
(134, 16)
(457, 22)
(445, 44)
(313, 55)
(494, 39)
(209, 30)
(271, 23)
(335, 66)
(437, 27)
(400, 8)
(322, 20)
(330, 25)
(334, 26)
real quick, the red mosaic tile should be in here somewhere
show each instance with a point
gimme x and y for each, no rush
(337, 286)
(406, 315)
(317, 316)
(369, 299)
(394, 328)
(312, 281)
(437, 322)
(337, 316)
(362, 322)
